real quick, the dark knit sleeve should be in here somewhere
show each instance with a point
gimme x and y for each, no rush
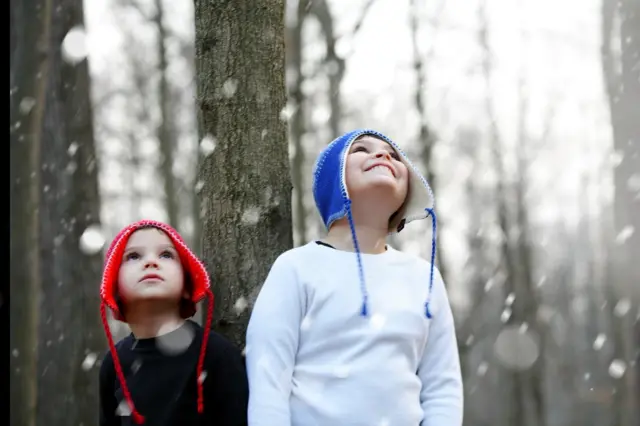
(226, 384)
(108, 403)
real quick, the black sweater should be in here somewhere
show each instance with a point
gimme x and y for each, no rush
(163, 384)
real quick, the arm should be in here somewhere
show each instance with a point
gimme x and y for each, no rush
(107, 403)
(229, 396)
(272, 344)
(439, 370)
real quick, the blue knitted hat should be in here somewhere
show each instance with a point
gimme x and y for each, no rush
(333, 202)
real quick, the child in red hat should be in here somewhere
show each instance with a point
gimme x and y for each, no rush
(169, 370)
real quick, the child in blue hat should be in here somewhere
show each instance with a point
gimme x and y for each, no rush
(347, 330)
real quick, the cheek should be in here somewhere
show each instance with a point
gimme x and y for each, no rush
(123, 286)
(351, 170)
(175, 273)
(405, 182)
(124, 278)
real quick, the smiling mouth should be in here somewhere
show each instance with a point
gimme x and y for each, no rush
(377, 166)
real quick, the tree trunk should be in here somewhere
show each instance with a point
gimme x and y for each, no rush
(335, 65)
(514, 392)
(426, 137)
(297, 120)
(58, 280)
(621, 24)
(247, 185)
(165, 131)
(527, 300)
(29, 29)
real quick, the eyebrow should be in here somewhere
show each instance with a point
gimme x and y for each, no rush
(369, 142)
(138, 248)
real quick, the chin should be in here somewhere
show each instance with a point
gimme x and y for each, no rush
(153, 296)
(378, 194)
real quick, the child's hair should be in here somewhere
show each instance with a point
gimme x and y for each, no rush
(196, 281)
(332, 199)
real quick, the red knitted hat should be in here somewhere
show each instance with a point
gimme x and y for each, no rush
(195, 272)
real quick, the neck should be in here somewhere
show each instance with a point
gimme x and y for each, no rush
(372, 237)
(147, 321)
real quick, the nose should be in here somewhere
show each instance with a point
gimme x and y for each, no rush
(150, 262)
(383, 153)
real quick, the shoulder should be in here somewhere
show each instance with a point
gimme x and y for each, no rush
(406, 259)
(107, 368)
(300, 261)
(290, 264)
(218, 346)
(297, 255)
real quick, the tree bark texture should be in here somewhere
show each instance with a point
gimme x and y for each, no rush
(56, 298)
(29, 30)
(247, 184)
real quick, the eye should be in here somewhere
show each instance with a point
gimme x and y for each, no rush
(167, 254)
(359, 148)
(132, 256)
(395, 155)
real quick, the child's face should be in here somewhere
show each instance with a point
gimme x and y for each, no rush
(373, 163)
(150, 269)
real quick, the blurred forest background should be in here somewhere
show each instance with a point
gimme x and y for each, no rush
(525, 116)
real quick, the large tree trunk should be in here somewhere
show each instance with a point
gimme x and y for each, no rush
(29, 27)
(247, 185)
(621, 24)
(60, 304)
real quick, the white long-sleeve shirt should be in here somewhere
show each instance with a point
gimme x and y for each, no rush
(313, 360)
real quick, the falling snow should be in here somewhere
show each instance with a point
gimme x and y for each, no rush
(624, 234)
(73, 148)
(515, 349)
(482, 369)
(509, 300)
(617, 368)
(305, 323)
(207, 145)
(27, 104)
(377, 321)
(176, 341)
(287, 112)
(505, 315)
(123, 409)
(229, 88)
(599, 341)
(251, 216)
(622, 308)
(74, 45)
(89, 361)
(92, 240)
(634, 183)
(241, 305)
